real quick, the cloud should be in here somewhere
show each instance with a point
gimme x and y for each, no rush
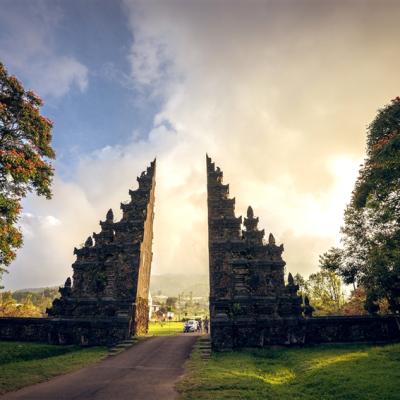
(26, 45)
(278, 93)
(58, 76)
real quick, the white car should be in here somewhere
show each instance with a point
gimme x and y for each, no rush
(191, 326)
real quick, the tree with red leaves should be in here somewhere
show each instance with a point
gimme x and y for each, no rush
(25, 154)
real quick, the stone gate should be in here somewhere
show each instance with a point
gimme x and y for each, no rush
(107, 299)
(250, 303)
(111, 275)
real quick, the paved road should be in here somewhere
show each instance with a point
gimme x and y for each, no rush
(146, 371)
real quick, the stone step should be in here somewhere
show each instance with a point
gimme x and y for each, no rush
(204, 346)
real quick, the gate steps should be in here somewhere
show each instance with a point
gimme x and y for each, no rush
(204, 346)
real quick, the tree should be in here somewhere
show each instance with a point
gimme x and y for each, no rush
(41, 299)
(370, 257)
(343, 264)
(10, 308)
(355, 303)
(171, 303)
(302, 283)
(25, 154)
(331, 260)
(324, 289)
(355, 246)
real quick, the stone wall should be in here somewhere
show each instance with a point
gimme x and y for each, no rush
(85, 332)
(25, 329)
(305, 331)
(227, 335)
(346, 329)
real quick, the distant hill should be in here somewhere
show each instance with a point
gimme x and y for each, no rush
(173, 284)
(36, 290)
(168, 284)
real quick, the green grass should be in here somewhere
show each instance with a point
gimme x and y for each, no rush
(24, 364)
(165, 328)
(351, 372)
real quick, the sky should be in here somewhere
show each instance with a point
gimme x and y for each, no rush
(278, 93)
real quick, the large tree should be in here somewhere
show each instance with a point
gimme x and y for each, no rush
(25, 153)
(371, 231)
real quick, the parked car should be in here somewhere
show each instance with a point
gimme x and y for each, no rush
(190, 326)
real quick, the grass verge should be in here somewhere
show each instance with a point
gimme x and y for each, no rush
(165, 328)
(339, 372)
(24, 364)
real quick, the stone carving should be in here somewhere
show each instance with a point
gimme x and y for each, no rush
(112, 271)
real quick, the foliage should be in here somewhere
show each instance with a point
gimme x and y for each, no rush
(24, 364)
(355, 246)
(379, 178)
(331, 260)
(171, 303)
(339, 372)
(42, 298)
(324, 290)
(27, 303)
(183, 306)
(302, 283)
(25, 150)
(10, 308)
(355, 304)
(370, 257)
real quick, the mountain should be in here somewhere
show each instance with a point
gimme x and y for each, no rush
(36, 290)
(174, 284)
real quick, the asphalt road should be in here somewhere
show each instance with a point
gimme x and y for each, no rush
(146, 371)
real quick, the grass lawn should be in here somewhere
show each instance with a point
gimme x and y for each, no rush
(337, 372)
(23, 364)
(165, 328)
